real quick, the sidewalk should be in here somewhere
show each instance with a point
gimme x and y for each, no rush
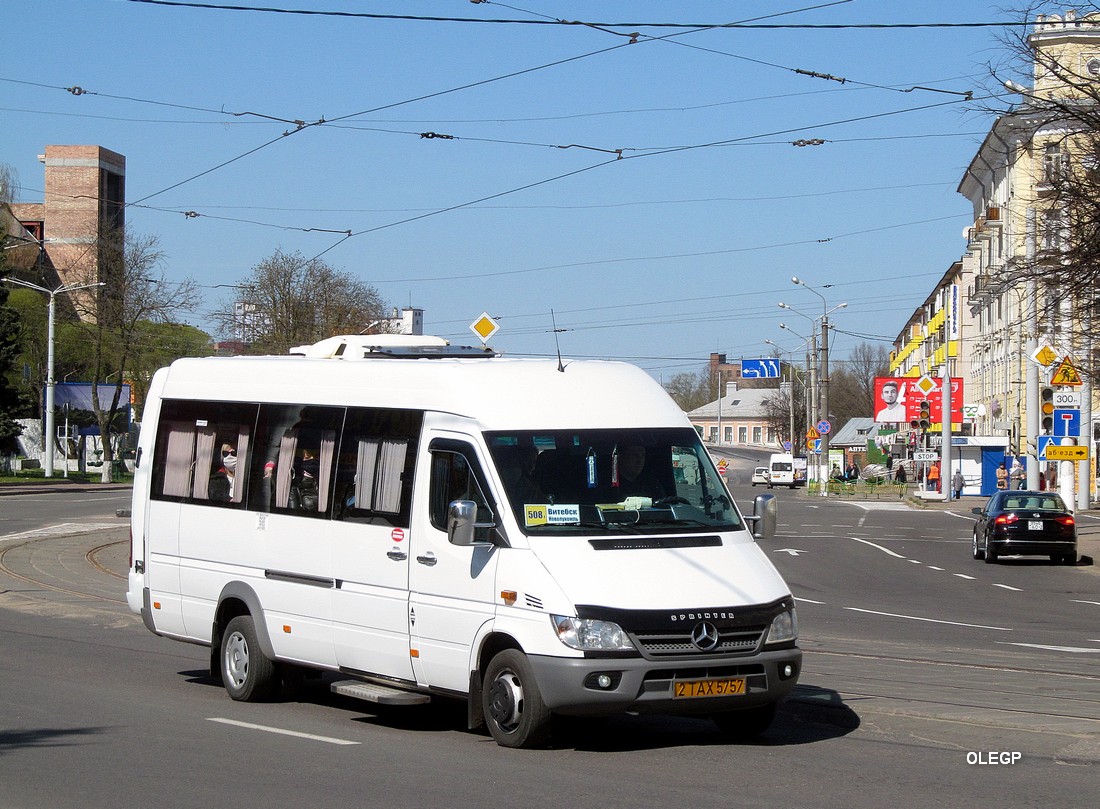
(60, 485)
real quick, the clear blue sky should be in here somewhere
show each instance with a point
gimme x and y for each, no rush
(659, 258)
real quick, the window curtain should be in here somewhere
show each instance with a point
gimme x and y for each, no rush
(177, 464)
(324, 456)
(242, 467)
(391, 465)
(364, 473)
(285, 468)
(204, 461)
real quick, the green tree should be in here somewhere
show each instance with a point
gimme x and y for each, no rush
(156, 345)
(10, 400)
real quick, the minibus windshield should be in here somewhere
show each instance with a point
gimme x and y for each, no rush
(618, 481)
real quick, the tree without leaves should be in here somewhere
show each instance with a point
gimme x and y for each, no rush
(289, 301)
(691, 391)
(137, 291)
(1065, 262)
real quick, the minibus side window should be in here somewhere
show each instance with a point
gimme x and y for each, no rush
(293, 462)
(202, 451)
(456, 475)
(375, 468)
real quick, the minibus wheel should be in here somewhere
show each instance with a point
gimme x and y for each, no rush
(248, 674)
(511, 702)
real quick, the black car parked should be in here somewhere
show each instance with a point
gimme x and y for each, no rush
(1025, 523)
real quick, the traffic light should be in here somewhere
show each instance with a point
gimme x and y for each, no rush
(925, 414)
(1046, 409)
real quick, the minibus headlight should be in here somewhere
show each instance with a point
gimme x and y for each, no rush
(784, 628)
(590, 635)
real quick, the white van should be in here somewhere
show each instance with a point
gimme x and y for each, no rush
(534, 537)
(783, 472)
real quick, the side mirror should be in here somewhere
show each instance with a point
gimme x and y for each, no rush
(977, 511)
(765, 516)
(462, 523)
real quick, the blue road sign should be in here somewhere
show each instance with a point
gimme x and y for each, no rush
(817, 446)
(1044, 440)
(786, 446)
(760, 369)
(824, 427)
(1067, 423)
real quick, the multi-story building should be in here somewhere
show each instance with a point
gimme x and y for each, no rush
(989, 313)
(1010, 183)
(78, 226)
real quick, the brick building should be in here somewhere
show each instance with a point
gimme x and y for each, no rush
(80, 222)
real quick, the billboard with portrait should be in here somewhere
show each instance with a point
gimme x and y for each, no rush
(898, 399)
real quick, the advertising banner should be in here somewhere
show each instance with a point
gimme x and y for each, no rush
(898, 399)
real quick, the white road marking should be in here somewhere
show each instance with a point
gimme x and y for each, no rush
(1006, 587)
(933, 567)
(964, 576)
(61, 528)
(808, 600)
(967, 517)
(280, 731)
(873, 545)
(791, 551)
(1073, 649)
(1079, 601)
(929, 620)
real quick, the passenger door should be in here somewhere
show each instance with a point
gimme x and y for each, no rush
(452, 588)
(371, 535)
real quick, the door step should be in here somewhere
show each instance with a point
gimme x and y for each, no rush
(380, 694)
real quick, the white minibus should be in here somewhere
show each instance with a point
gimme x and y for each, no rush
(782, 469)
(415, 519)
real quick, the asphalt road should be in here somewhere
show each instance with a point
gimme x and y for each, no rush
(930, 680)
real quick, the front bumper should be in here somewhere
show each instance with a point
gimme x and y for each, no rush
(570, 686)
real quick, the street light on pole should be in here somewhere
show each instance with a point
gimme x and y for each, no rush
(825, 312)
(811, 371)
(52, 293)
(790, 383)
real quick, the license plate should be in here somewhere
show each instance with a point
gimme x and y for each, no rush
(1034, 525)
(733, 686)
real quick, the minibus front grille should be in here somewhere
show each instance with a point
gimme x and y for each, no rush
(742, 640)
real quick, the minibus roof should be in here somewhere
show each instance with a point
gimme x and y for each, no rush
(501, 393)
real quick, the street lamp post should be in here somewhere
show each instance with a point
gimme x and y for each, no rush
(811, 372)
(790, 383)
(824, 383)
(52, 293)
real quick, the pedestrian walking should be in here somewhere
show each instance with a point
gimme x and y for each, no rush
(957, 484)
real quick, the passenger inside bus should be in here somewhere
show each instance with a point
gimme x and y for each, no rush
(223, 480)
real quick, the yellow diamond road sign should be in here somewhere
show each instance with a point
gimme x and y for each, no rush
(1045, 356)
(484, 327)
(925, 385)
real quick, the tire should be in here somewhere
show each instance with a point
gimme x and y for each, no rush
(1065, 559)
(989, 554)
(247, 673)
(511, 702)
(747, 724)
(978, 552)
